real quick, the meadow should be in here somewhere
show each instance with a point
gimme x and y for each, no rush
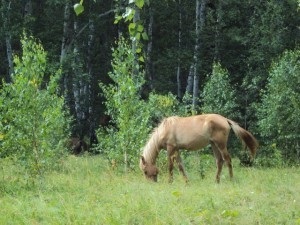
(86, 190)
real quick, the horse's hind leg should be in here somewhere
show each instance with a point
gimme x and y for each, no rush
(224, 155)
(227, 159)
(219, 161)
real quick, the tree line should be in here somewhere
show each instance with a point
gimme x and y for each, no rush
(237, 58)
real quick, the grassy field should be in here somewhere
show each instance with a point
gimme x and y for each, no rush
(88, 191)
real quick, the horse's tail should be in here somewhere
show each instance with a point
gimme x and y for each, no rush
(245, 136)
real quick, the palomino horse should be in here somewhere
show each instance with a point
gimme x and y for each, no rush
(193, 133)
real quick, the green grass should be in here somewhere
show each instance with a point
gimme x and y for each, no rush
(88, 191)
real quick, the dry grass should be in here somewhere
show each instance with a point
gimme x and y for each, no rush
(87, 191)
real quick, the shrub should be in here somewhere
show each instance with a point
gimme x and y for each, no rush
(33, 124)
(132, 117)
(279, 112)
(218, 95)
(129, 113)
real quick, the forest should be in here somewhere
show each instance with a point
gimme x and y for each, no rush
(106, 72)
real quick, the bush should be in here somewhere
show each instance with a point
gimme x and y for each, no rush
(132, 117)
(33, 124)
(218, 95)
(271, 157)
(279, 112)
(129, 113)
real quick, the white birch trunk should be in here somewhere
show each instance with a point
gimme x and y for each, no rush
(66, 39)
(6, 7)
(149, 50)
(91, 80)
(178, 72)
(200, 18)
(190, 79)
(135, 43)
(78, 84)
(219, 16)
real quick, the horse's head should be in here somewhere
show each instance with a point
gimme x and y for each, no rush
(150, 170)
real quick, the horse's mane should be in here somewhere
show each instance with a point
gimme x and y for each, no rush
(152, 148)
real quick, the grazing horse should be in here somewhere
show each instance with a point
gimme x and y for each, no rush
(193, 133)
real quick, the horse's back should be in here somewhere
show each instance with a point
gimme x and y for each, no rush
(193, 132)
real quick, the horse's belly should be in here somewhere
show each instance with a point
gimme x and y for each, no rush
(190, 143)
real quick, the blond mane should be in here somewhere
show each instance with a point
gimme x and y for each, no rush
(152, 148)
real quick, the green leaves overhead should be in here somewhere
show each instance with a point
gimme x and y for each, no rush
(138, 3)
(78, 8)
(136, 31)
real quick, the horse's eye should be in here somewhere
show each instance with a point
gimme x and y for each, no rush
(145, 172)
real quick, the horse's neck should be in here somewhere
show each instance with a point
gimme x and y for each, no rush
(152, 149)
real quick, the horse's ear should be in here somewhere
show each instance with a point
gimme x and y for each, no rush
(143, 160)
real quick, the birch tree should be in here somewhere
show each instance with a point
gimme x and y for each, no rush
(6, 12)
(195, 68)
(149, 64)
(178, 72)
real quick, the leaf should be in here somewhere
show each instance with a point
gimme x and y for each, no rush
(129, 14)
(78, 8)
(141, 59)
(140, 28)
(145, 36)
(131, 28)
(117, 19)
(138, 36)
(139, 3)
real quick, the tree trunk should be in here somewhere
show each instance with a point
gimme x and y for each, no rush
(149, 71)
(91, 84)
(66, 80)
(219, 19)
(189, 86)
(135, 42)
(80, 88)
(178, 73)
(6, 7)
(67, 32)
(200, 18)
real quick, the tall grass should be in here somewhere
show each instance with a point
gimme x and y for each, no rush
(87, 191)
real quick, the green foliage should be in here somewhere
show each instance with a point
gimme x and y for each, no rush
(162, 105)
(218, 94)
(271, 157)
(279, 112)
(129, 113)
(135, 27)
(79, 8)
(33, 124)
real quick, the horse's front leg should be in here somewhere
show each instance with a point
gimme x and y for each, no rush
(171, 159)
(181, 167)
(171, 166)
